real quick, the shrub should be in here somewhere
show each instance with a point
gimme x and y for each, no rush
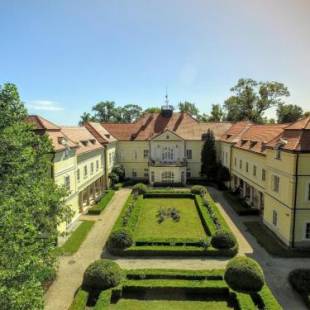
(113, 177)
(120, 172)
(244, 274)
(223, 240)
(223, 174)
(140, 188)
(120, 239)
(102, 274)
(300, 280)
(117, 186)
(198, 190)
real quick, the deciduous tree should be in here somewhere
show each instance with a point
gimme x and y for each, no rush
(288, 113)
(189, 107)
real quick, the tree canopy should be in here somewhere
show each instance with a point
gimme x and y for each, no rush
(251, 99)
(208, 156)
(287, 113)
(189, 107)
(32, 207)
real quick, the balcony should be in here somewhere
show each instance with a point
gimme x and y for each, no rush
(162, 163)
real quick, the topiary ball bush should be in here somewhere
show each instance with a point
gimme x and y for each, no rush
(300, 280)
(102, 274)
(223, 240)
(120, 239)
(140, 188)
(244, 274)
(198, 190)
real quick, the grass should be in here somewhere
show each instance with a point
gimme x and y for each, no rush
(101, 205)
(189, 225)
(267, 239)
(134, 304)
(77, 237)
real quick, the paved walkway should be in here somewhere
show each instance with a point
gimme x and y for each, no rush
(276, 270)
(71, 268)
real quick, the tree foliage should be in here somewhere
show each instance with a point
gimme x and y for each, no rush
(31, 207)
(216, 113)
(251, 99)
(108, 112)
(189, 107)
(288, 113)
(208, 156)
(152, 110)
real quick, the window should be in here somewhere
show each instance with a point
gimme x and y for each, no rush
(247, 167)
(235, 161)
(85, 172)
(146, 172)
(263, 175)
(240, 164)
(276, 183)
(274, 218)
(146, 153)
(78, 175)
(135, 155)
(168, 154)
(92, 168)
(307, 231)
(254, 171)
(189, 154)
(188, 173)
(308, 191)
(97, 165)
(167, 177)
(67, 182)
(134, 173)
(152, 177)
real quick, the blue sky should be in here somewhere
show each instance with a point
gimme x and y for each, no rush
(67, 55)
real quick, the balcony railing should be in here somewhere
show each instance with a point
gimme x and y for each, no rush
(166, 163)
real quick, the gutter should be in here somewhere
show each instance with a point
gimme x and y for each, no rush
(295, 200)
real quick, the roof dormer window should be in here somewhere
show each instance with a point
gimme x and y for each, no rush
(84, 143)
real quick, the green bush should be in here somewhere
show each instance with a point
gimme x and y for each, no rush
(223, 240)
(102, 274)
(244, 274)
(113, 177)
(117, 186)
(120, 172)
(120, 239)
(140, 188)
(198, 190)
(80, 300)
(300, 280)
(101, 205)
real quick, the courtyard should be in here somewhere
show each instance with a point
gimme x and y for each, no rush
(70, 274)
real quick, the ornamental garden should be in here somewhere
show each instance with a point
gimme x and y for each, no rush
(175, 223)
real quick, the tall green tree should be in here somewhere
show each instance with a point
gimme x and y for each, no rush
(31, 208)
(208, 157)
(105, 111)
(86, 117)
(131, 112)
(189, 107)
(251, 99)
(216, 113)
(288, 113)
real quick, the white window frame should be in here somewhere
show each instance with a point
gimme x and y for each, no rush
(67, 182)
(189, 154)
(134, 173)
(263, 175)
(97, 165)
(254, 170)
(78, 175)
(274, 189)
(145, 154)
(92, 168)
(85, 171)
(307, 196)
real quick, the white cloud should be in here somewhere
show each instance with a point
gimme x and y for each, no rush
(44, 105)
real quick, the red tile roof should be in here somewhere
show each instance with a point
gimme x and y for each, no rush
(152, 124)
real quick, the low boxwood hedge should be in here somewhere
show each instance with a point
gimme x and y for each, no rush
(101, 205)
(300, 281)
(210, 283)
(210, 217)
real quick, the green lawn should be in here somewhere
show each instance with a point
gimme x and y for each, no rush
(133, 304)
(189, 225)
(75, 240)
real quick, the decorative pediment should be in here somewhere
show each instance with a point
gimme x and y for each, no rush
(167, 135)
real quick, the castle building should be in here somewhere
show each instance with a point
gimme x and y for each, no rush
(269, 164)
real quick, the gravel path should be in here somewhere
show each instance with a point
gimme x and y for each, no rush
(71, 268)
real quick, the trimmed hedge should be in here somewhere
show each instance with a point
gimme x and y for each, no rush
(198, 190)
(300, 281)
(80, 300)
(102, 274)
(209, 215)
(223, 240)
(210, 283)
(120, 240)
(101, 205)
(140, 188)
(244, 274)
